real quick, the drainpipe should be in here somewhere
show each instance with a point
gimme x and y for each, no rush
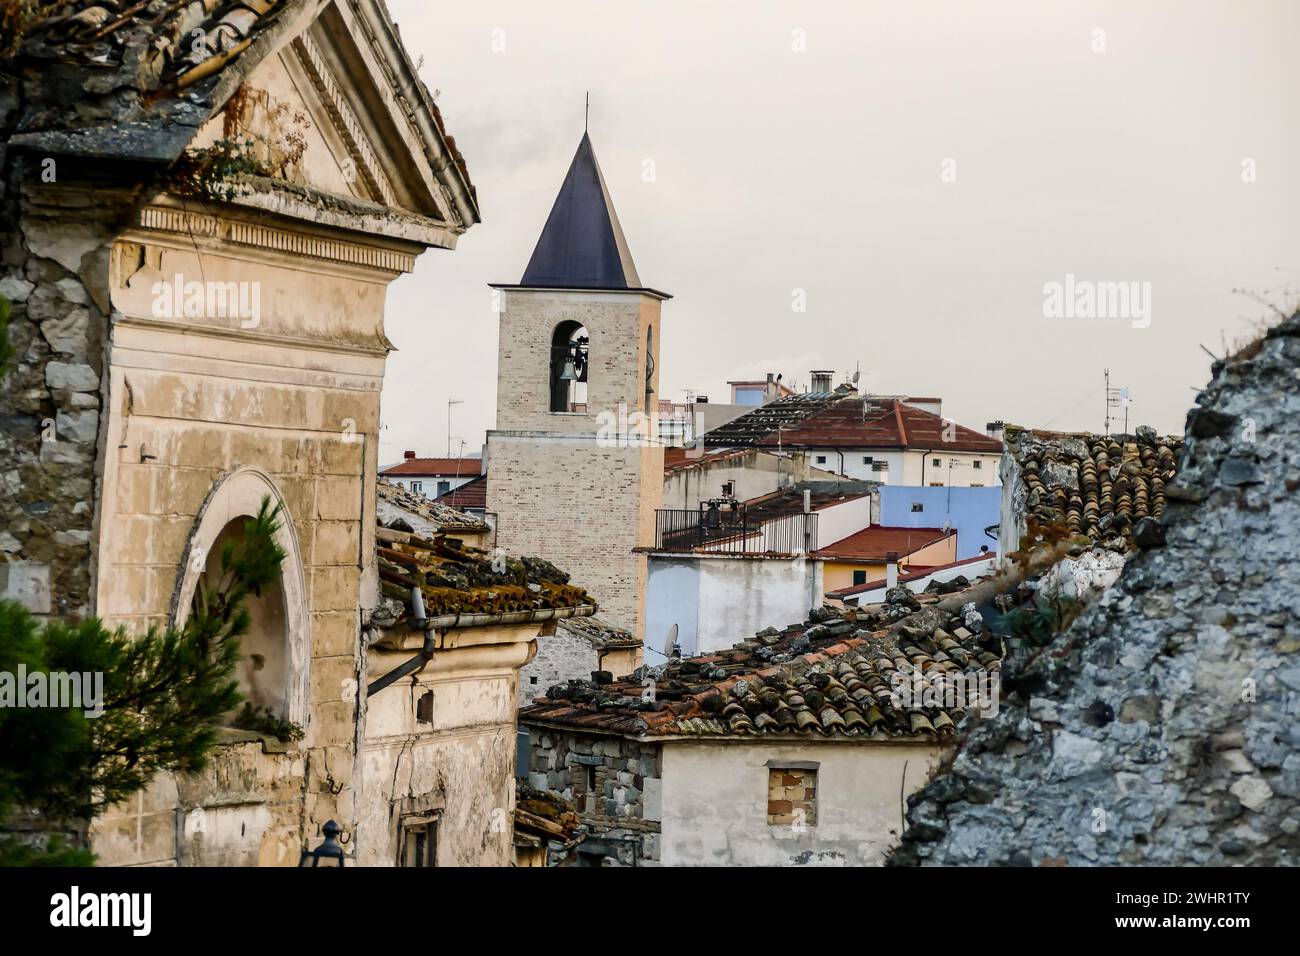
(417, 623)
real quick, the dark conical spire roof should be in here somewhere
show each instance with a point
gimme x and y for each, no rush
(582, 244)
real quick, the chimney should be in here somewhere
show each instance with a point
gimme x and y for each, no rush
(821, 380)
(408, 455)
(891, 569)
(807, 501)
(995, 429)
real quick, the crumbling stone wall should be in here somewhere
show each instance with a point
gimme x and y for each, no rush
(54, 268)
(1164, 726)
(622, 811)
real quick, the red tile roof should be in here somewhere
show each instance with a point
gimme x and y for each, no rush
(913, 572)
(472, 494)
(436, 468)
(885, 424)
(877, 543)
(852, 422)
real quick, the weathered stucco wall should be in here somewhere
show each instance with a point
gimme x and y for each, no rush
(1163, 728)
(716, 602)
(445, 741)
(715, 802)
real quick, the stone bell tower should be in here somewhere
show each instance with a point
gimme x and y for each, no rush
(570, 477)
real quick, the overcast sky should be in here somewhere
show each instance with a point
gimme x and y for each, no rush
(754, 149)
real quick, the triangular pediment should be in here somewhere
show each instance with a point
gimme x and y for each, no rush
(323, 114)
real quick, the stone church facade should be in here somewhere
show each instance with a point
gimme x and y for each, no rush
(184, 353)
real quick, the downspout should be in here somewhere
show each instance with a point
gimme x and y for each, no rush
(418, 622)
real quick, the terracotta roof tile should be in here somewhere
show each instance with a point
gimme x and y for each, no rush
(1093, 485)
(876, 543)
(436, 468)
(832, 677)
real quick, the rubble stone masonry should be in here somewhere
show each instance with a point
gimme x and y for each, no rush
(1163, 728)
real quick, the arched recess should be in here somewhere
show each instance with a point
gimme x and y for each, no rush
(570, 359)
(275, 670)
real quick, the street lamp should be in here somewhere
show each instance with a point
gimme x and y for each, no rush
(331, 849)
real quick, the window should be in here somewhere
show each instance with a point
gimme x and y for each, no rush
(880, 466)
(418, 844)
(937, 462)
(821, 459)
(918, 506)
(859, 577)
(570, 357)
(443, 487)
(936, 484)
(417, 486)
(866, 459)
(977, 464)
(792, 794)
(977, 484)
(532, 679)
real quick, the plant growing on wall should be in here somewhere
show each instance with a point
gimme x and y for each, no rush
(260, 136)
(164, 696)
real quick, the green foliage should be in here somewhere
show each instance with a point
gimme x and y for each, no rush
(6, 350)
(213, 172)
(264, 721)
(165, 693)
(1039, 624)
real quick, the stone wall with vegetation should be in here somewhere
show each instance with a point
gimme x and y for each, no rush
(1163, 727)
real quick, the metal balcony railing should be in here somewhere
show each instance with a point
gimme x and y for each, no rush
(732, 531)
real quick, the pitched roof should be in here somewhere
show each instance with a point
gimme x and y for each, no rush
(876, 543)
(457, 579)
(441, 516)
(1094, 485)
(913, 572)
(789, 501)
(151, 72)
(436, 468)
(582, 244)
(599, 633)
(472, 494)
(833, 678)
(681, 459)
(824, 420)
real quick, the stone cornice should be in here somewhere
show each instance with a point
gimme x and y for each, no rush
(203, 225)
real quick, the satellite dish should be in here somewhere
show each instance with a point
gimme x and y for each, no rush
(669, 642)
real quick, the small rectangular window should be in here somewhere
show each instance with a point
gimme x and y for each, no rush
(859, 577)
(866, 459)
(417, 486)
(880, 466)
(977, 484)
(917, 506)
(938, 462)
(821, 459)
(444, 487)
(977, 464)
(418, 842)
(792, 794)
